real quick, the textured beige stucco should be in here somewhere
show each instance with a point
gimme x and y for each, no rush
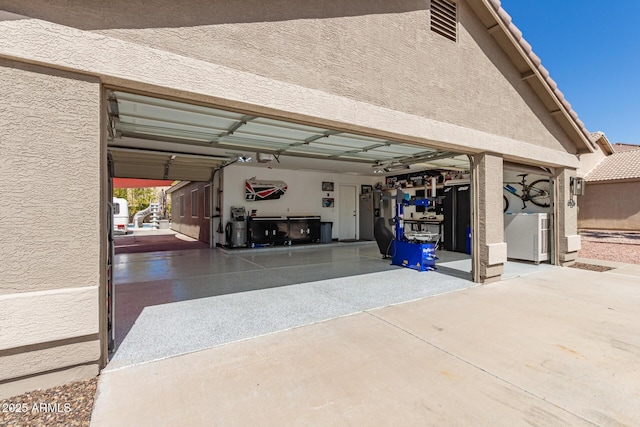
(590, 160)
(488, 220)
(567, 240)
(136, 67)
(50, 174)
(48, 380)
(378, 52)
(36, 361)
(44, 316)
(497, 253)
(610, 206)
(573, 243)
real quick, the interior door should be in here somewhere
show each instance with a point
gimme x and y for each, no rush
(347, 212)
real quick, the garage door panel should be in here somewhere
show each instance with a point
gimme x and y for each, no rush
(189, 174)
(138, 171)
(132, 163)
(166, 115)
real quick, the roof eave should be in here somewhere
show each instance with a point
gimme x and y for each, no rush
(601, 139)
(509, 37)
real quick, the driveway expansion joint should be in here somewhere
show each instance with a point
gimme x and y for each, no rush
(462, 359)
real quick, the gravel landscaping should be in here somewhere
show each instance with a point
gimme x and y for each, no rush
(617, 246)
(67, 405)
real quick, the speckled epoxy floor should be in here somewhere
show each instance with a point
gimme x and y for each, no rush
(170, 303)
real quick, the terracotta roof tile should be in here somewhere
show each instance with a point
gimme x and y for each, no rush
(619, 165)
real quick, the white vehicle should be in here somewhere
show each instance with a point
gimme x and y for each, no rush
(120, 215)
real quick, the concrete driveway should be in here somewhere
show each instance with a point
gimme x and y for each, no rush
(557, 347)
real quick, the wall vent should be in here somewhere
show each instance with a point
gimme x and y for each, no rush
(444, 18)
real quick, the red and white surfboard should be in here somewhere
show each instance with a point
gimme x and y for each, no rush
(255, 190)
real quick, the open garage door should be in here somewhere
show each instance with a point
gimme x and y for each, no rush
(147, 164)
(528, 205)
(162, 139)
(147, 123)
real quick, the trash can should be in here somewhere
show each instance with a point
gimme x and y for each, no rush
(325, 232)
(468, 248)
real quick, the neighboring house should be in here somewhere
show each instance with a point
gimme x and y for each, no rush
(191, 209)
(612, 194)
(162, 89)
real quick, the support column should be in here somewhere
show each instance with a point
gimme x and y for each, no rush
(489, 248)
(566, 238)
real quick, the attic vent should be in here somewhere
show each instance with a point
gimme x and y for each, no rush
(443, 18)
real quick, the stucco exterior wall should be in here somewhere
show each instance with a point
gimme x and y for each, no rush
(136, 67)
(50, 151)
(378, 52)
(488, 221)
(198, 226)
(50, 233)
(610, 206)
(567, 240)
(589, 161)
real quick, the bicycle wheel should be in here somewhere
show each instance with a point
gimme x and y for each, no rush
(505, 203)
(538, 193)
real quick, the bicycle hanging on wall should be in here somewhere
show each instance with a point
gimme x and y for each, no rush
(537, 192)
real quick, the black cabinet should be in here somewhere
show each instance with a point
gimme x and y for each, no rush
(268, 231)
(304, 229)
(456, 208)
(265, 231)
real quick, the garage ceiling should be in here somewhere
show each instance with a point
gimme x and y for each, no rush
(191, 133)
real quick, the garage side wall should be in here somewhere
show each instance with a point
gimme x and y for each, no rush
(193, 226)
(50, 227)
(304, 194)
(610, 206)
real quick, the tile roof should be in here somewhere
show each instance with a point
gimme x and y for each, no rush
(619, 147)
(537, 62)
(619, 165)
(601, 139)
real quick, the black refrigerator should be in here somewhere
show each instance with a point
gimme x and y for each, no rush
(456, 208)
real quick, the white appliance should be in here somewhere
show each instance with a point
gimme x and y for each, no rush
(527, 236)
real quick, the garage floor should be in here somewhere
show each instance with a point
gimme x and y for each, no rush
(177, 302)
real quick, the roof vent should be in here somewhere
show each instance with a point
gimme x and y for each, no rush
(443, 18)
